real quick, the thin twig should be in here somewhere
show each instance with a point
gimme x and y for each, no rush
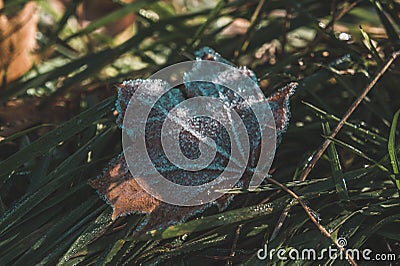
(351, 109)
(286, 29)
(330, 24)
(328, 140)
(234, 244)
(236, 238)
(319, 226)
(279, 224)
(253, 20)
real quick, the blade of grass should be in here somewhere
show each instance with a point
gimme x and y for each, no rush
(90, 233)
(211, 17)
(204, 223)
(370, 46)
(55, 234)
(391, 32)
(23, 133)
(59, 176)
(356, 128)
(111, 254)
(337, 173)
(351, 109)
(392, 149)
(359, 153)
(112, 17)
(69, 11)
(54, 137)
(162, 254)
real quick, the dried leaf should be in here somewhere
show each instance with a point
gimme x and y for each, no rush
(119, 188)
(17, 40)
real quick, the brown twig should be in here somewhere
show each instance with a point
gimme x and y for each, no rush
(344, 11)
(331, 23)
(319, 226)
(328, 140)
(326, 143)
(236, 238)
(253, 21)
(234, 244)
(279, 224)
(351, 109)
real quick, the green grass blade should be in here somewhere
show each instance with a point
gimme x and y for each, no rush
(392, 149)
(59, 176)
(51, 139)
(112, 17)
(356, 128)
(370, 46)
(210, 222)
(390, 30)
(91, 232)
(337, 173)
(211, 17)
(55, 235)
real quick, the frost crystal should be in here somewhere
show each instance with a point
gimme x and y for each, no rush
(121, 190)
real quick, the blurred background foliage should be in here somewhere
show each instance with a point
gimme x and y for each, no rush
(60, 63)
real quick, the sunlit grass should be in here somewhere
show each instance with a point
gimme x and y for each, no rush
(49, 213)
